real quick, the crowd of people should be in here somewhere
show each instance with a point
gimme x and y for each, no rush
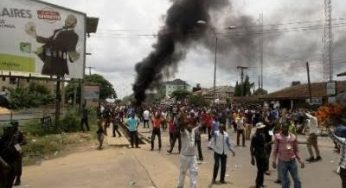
(272, 132)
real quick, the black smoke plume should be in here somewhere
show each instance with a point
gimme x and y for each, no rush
(181, 27)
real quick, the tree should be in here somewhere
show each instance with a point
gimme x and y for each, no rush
(260, 91)
(243, 89)
(180, 94)
(32, 96)
(197, 88)
(247, 86)
(237, 90)
(198, 100)
(106, 88)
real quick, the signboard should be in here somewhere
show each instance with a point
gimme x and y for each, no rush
(91, 92)
(315, 101)
(331, 88)
(42, 38)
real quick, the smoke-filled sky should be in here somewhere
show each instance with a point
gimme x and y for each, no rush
(292, 35)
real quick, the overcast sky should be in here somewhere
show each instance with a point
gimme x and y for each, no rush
(127, 29)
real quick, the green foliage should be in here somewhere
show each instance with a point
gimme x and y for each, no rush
(71, 121)
(198, 100)
(180, 94)
(37, 146)
(32, 96)
(243, 89)
(34, 128)
(260, 91)
(237, 90)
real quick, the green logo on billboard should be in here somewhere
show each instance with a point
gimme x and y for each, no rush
(17, 63)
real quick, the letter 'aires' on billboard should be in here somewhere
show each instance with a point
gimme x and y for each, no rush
(38, 37)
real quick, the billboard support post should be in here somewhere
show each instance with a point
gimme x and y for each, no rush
(57, 102)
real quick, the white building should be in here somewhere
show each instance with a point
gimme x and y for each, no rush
(177, 84)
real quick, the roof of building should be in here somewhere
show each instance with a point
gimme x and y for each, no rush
(301, 91)
(218, 89)
(341, 74)
(177, 82)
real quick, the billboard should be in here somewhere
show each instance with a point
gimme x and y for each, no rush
(41, 39)
(91, 92)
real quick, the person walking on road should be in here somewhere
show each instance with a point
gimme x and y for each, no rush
(286, 151)
(146, 117)
(188, 159)
(240, 121)
(221, 145)
(156, 122)
(132, 124)
(312, 132)
(116, 122)
(100, 133)
(175, 129)
(258, 153)
(84, 120)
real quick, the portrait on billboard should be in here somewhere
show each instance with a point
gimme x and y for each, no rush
(57, 50)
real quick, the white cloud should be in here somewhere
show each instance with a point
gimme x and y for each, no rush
(119, 43)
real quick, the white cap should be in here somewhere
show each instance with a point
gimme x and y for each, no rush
(260, 125)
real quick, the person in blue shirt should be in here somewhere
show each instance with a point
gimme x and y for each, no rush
(221, 145)
(132, 124)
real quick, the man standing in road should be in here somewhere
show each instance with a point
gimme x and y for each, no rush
(286, 150)
(156, 122)
(258, 152)
(84, 119)
(312, 132)
(19, 141)
(188, 159)
(132, 124)
(219, 143)
(146, 116)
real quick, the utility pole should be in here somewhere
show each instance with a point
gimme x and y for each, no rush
(261, 47)
(90, 70)
(309, 83)
(242, 68)
(214, 81)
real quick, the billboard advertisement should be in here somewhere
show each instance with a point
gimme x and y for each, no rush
(91, 92)
(41, 39)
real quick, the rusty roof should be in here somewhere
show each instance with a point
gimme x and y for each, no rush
(301, 91)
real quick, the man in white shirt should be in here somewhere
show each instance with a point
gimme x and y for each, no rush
(221, 145)
(146, 117)
(240, 121)
(188, 159)
(312, 132)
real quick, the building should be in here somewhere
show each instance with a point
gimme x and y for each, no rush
(222, 93)
(298, 95)
(169, 87)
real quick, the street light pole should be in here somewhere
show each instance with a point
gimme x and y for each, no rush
(214, 82)
(202, 22)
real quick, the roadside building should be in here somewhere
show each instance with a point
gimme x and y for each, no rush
(298, 95)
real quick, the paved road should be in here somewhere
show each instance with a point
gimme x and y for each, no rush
(142, 168)
(241, 174)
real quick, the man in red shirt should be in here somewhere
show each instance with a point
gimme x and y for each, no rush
(156, 122)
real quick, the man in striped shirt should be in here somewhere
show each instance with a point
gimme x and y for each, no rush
(286, 150)
(341, 141)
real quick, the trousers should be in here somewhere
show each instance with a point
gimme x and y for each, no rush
(188, 163)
